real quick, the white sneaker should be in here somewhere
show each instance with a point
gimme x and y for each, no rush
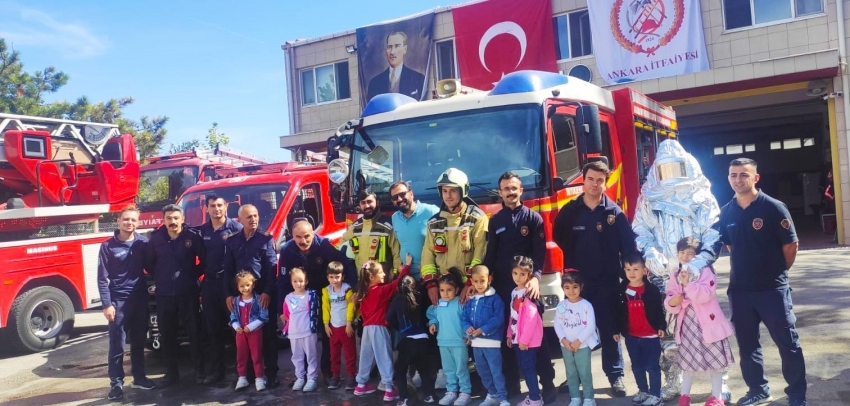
(653, 401)
(299, 384)
(575, 402)
(490, 400)
(260, 384)
(440, 380)
(449, 399)
(310, 386)
(416, 380)
(463, 399)
(640, 398)
(241, 383)
(589, 402)
(504, 403)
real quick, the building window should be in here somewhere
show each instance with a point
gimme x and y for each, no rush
(734, 149)
(746, 13)
(719, 151)
(324, 84)
(572, 35)
(446, 65)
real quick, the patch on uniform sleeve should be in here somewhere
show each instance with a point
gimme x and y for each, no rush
(523, 230)
(542, 236)
(188, 243)
(599, 227)
(611, 219)
(758, 223)
(785, 223)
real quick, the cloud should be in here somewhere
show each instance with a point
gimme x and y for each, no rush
(39, 29)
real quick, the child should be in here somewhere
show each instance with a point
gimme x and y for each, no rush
(300, 317)
(247, 318)
(575, 325)
(407, 315)
(482, 322)
(373, 297)
(525, 332)
(338, 316)
(642, 322)
(444, 321)
(702, 330)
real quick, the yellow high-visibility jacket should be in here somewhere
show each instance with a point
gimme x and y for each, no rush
(454, 240)
(373, 240)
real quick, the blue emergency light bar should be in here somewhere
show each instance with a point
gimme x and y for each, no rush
(386, 102)
(528, 81)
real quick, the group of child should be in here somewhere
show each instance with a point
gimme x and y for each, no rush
(701, 332)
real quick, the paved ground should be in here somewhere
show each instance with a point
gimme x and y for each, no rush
(76, 373)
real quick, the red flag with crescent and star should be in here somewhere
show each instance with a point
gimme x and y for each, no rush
(497, 37)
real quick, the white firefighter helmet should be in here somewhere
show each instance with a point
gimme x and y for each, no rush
(455, 177)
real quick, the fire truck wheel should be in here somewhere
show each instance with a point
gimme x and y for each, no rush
(42, 319)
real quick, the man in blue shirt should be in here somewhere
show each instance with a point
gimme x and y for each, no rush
(121, 282)
(759, 234)
(215, 288)
(409, 222)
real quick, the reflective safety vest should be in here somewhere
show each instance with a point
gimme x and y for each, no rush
(454, 240)
(373, 240)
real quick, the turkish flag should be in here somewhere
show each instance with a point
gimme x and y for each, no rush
(497, 37)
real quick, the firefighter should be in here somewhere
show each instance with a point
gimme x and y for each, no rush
(176, 259)
(371, 237)
(253, 250)
(455, 237)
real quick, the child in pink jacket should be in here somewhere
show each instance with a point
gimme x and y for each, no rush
(525, 331)
(702, 330)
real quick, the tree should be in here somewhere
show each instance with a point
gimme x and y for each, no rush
(213, 138)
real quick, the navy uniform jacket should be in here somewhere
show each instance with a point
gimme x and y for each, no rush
(757, 235)
(120, 269)
(593, 240)
(256, 254)
(215, 243)
(315, 265)
(514, 232)
(175, 264)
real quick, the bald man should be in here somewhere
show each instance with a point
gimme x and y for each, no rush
(312, 253)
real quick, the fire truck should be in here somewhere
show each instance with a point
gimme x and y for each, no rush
(542, 126)
(57, 178)
(164, 178)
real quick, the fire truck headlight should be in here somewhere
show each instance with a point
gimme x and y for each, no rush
(550, 301)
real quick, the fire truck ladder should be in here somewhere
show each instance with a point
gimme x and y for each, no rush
(90, 136)
(227, 155)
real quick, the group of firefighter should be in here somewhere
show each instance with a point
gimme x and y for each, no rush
(591, 230)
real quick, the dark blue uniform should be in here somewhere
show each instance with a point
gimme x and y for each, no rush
(176, 264)
(121, 282)
(517, 232)
(759, 292)
(315, 265)
(214, 291)
(257, 254)
(593, 241)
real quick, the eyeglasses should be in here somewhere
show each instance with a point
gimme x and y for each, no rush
(399, 196)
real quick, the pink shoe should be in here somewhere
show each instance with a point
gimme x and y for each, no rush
(390, 395)
(713, 401)
(685, 400)
(362, 390)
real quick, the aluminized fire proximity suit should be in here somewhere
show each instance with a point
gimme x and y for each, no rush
(675, 202)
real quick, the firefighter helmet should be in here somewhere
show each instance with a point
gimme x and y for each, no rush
(455, 177)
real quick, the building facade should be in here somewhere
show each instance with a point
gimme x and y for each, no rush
(774, 93)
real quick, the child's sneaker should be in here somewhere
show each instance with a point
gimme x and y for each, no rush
(713, 401)
(241, 383)
(653, 401)
(333, 383)
(685, 400)
(575, 402)
(640, 398)
(463, 399)
(299, 384)
(588, 402)
(429, 399)
(311, 385)
(529, 402)
(402, 402)
(504, 403)
(362, 390)
(390, 395)
(350, 383)
(490, 400)
(449, 399)
(260, 384)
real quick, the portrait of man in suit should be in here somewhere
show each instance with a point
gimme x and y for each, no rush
(397, 78)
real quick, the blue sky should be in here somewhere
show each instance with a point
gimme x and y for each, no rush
(197, 62)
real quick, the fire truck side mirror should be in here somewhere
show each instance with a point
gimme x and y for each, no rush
(587, 120)
(558, 184)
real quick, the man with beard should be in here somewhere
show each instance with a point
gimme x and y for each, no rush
(175, 260)
(215, 288)
(371, 237)
(518, 230)
(312, 253)
(409, 222)
(253, 250)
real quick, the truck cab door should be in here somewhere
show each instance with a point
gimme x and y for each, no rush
(306, 205)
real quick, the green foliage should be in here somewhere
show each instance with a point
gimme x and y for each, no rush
(153, 190)
(213, 138)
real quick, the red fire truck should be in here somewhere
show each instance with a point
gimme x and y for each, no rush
(542, 126)
(164, 178)
(57, 177)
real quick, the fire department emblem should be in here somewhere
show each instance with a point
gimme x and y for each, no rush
(758, 223)
(611, 219)
(523, 230)
(439, 241)
(785, 223)
(188, 243)
(599, 227)
(643, 26)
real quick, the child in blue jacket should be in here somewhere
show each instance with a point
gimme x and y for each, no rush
(444, 321)
(247, 318)
(483, 324)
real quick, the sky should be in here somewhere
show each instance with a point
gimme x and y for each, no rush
(197, 62)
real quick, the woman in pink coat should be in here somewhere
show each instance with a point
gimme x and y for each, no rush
(702, 330)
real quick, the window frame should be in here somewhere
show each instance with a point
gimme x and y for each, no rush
(455, 68)
(569, 37)
(755, 25)
(313, 69)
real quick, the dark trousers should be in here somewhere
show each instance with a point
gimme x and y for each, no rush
(216, 316)
(510, 366)
(416, 353)
(174, 312)
(604, 301)
(775, 309)
(270, 341)
(527, 361)
(645, 354)
(131, 317)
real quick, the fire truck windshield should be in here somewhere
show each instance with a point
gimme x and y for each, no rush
(483, 143)
(165, 185)
(266, 197)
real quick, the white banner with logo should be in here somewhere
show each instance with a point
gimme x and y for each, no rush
(646, 39)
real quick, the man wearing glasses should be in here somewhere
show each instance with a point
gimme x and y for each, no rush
(593, 233)
(371, 237)
(409, 222)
